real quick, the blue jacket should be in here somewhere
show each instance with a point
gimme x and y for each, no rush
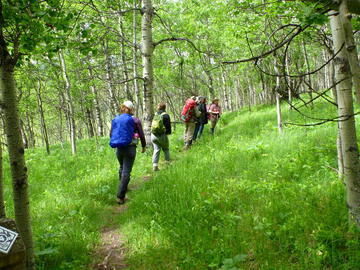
(122, 130)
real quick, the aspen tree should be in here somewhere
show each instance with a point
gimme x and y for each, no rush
(347, 130)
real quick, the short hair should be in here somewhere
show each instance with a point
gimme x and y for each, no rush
(161, 106)
(124, 109)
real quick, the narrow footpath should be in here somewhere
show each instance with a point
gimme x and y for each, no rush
(111, 250)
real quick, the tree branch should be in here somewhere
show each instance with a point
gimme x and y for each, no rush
(257, 58)
(177, 39)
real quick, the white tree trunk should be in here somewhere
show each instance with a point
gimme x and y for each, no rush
(351, 47)
(110, 81)
(277, 96)
(99, 122)
(138, 102)
(147, 49)
(44, 133)
(69, 103)
(123, 59)
(347, 128)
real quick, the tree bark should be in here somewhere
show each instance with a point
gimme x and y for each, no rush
(227, 102)
(42, 119)
(69, 102)
(308, 69)
(110, 81)
(138, 102)
(99, 122)
(347, 128)
(147, 49)
(351, 47)
(277, 95)
(2, 199)
(123, 60)
(16, 155)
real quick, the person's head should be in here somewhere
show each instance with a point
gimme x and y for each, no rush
(215, 101)
(200, 99)
(127, 107)
(193, 97)
(161, 106)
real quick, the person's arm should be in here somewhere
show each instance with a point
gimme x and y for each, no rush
(211, 108)
(167, 123)
(139, 128)
(197, 111)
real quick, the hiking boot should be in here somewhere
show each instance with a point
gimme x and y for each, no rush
(120, 201)
(155, 168)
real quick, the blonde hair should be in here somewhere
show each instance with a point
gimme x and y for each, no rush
(124, 109)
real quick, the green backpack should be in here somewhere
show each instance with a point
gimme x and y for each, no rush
(157, 124)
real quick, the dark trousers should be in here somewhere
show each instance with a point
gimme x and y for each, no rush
(198, 130)
(126, 157)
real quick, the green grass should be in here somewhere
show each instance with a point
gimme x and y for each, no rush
(247, 198)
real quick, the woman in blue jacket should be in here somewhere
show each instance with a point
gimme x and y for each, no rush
(125, 129)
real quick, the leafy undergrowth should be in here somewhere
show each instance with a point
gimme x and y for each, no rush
(247, 198)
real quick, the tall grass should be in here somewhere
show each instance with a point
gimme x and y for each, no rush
(70, 198)
(246, 198)
(249, 198)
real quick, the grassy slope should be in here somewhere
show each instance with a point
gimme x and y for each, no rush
(248, 198)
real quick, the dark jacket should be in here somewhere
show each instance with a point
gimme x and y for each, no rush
(203, 118)
(166, 121)
(138, 129)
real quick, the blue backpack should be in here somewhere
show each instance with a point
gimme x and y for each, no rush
(122, 130)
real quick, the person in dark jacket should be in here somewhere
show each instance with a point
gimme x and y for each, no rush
(202, 120)
(126, 153)
(161, 141)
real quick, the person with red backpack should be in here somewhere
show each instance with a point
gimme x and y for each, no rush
(124, 134)
(189, 115)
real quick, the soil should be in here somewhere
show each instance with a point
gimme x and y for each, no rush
(110, 253)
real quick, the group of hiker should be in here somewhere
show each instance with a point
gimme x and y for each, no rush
(126, 132)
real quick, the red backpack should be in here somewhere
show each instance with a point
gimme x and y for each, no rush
(188, 110)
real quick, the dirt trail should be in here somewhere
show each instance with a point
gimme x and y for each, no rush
(111, 250)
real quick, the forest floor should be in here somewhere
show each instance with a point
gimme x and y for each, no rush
(111, 250)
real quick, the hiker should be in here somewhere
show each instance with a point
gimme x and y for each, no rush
(125, 132)
(160, 129)
(202, 120)
(215, 112)
(189, 115)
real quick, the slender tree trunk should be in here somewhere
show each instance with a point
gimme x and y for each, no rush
(42, 119)
(138, 103)
(31, 135)
(89, 120)
(123, 60)
(347, 122)
(69, 103)
(225, 90)
(308, 70)
(110, 81)
(351, 47)
(147, 48)
(16, 156)
(2, 199)
(277, 95)
(99, 122)
(210, 84)
(23, 135)
(289, 82)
